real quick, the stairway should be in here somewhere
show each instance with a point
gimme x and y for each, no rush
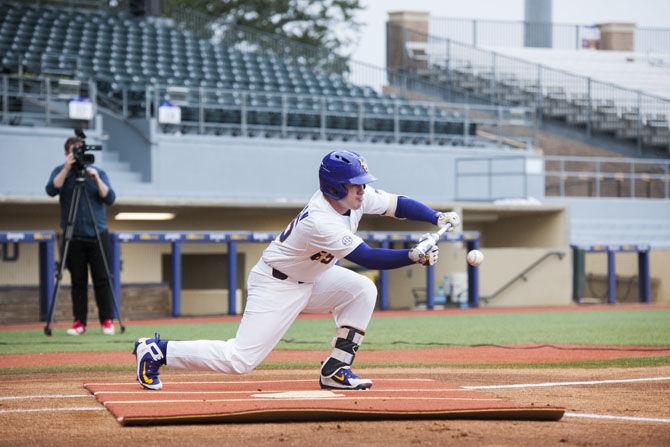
(119, 172)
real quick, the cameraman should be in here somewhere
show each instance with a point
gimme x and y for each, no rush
(84, 250)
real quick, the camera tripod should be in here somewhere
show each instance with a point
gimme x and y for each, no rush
(79, 190)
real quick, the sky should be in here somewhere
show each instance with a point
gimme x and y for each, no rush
(371, 47)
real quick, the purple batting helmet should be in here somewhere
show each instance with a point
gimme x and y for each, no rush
(339, 168)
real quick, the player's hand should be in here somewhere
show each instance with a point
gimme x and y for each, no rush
(426, 251)
(428, 258)
(451, 218)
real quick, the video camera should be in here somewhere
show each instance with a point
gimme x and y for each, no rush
(82, 159)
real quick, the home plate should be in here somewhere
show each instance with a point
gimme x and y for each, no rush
(305, 394)
(297, 400)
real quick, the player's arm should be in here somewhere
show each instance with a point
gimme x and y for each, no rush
(411, 209)
(386, 259)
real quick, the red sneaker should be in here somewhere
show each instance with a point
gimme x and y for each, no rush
(78, 328)
(108, 327)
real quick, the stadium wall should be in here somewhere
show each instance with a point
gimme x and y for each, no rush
(618, 221)
(233, 170)
(616, 209)
(262, 169)
(547, 284)
(29, 154)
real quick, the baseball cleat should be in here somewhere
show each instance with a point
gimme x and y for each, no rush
(150, 358)
(345, 379)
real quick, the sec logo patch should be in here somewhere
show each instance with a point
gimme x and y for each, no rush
(347, 240)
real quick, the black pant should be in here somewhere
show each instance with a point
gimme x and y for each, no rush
(84, 252)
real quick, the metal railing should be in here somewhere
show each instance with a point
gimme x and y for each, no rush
(221, 111)
(568, 36)
(606, 177)
(32, 100)
(477, 75)
(42, 100)
(500, 177)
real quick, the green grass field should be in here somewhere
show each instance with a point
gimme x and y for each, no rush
(593, 327)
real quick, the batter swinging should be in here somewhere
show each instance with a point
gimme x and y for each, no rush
(298, 273)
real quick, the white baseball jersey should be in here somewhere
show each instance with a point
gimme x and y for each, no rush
(306, 251)
(319, 236)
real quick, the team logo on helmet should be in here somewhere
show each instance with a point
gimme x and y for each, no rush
(364, 165)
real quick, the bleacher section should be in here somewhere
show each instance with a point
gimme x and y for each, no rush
(645, 72)
(562, 88)
(221, 89)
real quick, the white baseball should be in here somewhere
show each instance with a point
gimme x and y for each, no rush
(474, 257)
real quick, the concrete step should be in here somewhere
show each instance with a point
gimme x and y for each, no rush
(114, 166)
(118, 171)
(109, 156)
(124, 177)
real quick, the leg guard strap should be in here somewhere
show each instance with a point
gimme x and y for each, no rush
(349, 333)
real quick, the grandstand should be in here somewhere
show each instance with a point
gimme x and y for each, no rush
(622, 95)
(645, 72)
(222, 88)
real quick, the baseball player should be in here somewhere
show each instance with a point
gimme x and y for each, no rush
(298, 273)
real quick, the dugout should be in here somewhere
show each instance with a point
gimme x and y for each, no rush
(513, 236)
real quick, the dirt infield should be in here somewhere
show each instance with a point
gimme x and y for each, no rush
(55, 409)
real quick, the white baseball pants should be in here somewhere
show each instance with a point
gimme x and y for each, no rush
(272, 306)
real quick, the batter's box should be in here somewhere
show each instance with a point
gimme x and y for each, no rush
(302, 400)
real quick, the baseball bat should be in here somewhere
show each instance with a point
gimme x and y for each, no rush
(441, 231)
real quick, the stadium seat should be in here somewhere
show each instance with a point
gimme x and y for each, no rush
(124, 52)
